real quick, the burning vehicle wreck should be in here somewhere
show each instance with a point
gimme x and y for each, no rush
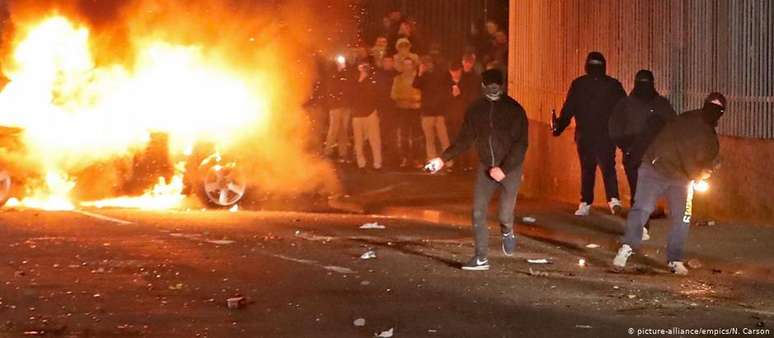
(154, 122)
(208, 175)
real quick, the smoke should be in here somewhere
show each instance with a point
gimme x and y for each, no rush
(271, 45)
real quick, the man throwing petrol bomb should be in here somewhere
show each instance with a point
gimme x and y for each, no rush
(684, 152)
(498, 127)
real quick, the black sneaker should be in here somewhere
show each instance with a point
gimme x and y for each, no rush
(509, 243)
(476, 264)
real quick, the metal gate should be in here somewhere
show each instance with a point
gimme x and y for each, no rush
(693, 47)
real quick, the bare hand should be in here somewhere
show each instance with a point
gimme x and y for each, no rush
(497, 174)
(456, 91)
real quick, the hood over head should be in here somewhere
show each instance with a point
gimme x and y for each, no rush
(714, 108)
(644, 85)
(596, 64)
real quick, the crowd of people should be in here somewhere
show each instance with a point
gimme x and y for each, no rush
(399, 99)
(403, 97)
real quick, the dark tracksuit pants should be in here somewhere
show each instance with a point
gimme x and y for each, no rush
(650, 186)
(409, 134)
(631, 167)
(595, 154)
(482, 195)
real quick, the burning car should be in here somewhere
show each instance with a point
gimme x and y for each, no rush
(207, 174)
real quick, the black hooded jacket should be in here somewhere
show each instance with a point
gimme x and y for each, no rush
(636, 121)
(685, 147)
(499, 130)
(590, 101)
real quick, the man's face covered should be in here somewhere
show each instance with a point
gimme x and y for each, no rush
(493, 91)
(714, 107)
(492, 84)
(596, 64)
(644, 85)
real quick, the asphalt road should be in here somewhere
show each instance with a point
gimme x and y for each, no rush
(124, 273)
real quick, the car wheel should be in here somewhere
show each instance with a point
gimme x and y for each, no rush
(223, 185)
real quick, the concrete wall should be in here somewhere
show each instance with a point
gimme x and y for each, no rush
(549, 42)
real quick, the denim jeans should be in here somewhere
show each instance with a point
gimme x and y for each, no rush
(484, 190)
(650, 186)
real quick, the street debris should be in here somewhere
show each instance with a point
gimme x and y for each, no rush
(694, 263)
(313, 237)
(236, 303)
(365, 283)
(34, 333)
(538, 273)
(529, 219)
(592, 246)
(386, 334)
(538, 261)
(632, 296)
(220, 241)
(370, 254)
(338, 269)
(580, 326)
(582, 262)
(359, 322)
(178, 286)
(373, 225)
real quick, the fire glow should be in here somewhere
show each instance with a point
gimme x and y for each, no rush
(75, 112)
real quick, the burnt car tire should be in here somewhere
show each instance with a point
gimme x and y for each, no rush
(221, 183)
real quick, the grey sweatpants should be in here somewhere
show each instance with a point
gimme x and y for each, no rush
(650, 186)
(482, 194)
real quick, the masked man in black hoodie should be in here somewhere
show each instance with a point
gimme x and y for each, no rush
(590, 101)
(498, 127)
(684, 152)
(635, 122)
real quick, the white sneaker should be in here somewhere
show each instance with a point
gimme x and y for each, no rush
(583, 209)
(645, 234)
(678, 268)
(619, 262)
(616, 207)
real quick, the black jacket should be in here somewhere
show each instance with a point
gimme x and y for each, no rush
(684, 148)
(383, 79)
(470, 86)
(590, 101)
(366, 102)
(340, 88)
(436, 89)
(500, 131)
(636, 122)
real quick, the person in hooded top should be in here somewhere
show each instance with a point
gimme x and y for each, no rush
(684, 151)
(590, 101)
(497, 126)
(635, 121)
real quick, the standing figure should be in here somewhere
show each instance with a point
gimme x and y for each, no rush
(684, 152)
(498, 127)
(590, 101)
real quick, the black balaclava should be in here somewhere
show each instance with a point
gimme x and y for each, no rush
(711, 112)
(644, 85)
(596, 64)
(492, 84)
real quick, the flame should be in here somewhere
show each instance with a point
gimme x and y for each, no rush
(163, 195)
(75, 112)
(54, 197)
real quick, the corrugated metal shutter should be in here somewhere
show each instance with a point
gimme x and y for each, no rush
(693, 47)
